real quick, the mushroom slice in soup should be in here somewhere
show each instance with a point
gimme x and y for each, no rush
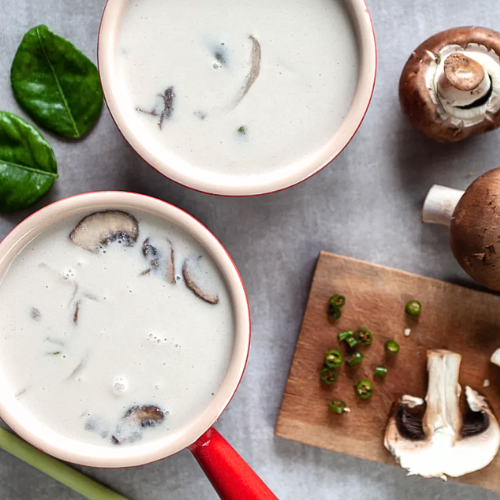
(194, 281)
(137, 417)
(99, 229)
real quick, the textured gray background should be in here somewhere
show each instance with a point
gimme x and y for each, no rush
(365, 205)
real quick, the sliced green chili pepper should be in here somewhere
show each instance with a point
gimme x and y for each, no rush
(413, 308)
(337, 300)
(355, 359)
(334, 312)
(344, 335)
(351, 341)
(364, 389)
(333, 358)
(392, 346)
(338, 406)
(363, 336)
(328, 375)
(380, 371)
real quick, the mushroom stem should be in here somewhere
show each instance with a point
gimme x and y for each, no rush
(440, 204)
(443, 393)
(463, 81)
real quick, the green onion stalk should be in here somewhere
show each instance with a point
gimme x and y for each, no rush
(56, 469)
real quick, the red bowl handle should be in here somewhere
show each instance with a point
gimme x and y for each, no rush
(230, 475)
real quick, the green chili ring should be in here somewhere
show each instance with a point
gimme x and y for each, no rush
(344, 335)
(380, 371)
(334, 312)
(413, 308)
(337, 300)
(333, 358)
(364, 389)
(355, 359)
(338, 406)
(351, 342)
(363, 336)
(392, 347)
(328, 375)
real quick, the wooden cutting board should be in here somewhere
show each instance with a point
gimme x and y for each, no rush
(453, 317)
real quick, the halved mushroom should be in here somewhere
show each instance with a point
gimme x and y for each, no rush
(450, 86)
(474, 220)
(101, 228)
(192, 279)
(443, 442)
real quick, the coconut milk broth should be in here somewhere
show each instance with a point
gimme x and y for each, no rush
(203, 52)
(138, 340)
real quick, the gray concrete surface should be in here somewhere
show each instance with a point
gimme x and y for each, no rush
(365, 205)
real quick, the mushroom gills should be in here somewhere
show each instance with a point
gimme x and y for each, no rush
(442, 442)
(161, 259)
(465, 107)
(98, 229)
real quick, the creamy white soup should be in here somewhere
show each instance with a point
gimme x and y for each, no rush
(233, 87)
(115, 328)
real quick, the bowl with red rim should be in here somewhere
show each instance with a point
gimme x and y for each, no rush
(198, 435)
(190, 173)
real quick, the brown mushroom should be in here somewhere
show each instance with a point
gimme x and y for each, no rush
(191, 281)
(474, 220)
(137, 417)
(160, 260)
(99, 229)
(146, 415)
(450, 86)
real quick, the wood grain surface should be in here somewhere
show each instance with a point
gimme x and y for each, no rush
(453, 317)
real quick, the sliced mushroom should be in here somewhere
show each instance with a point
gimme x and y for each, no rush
(254, 71)
(134, 419)
(79, 368)
(443, 442)
(101, 228)
(146, 415)
(188, 273)
(35, 314)
(450, 86)
(163, 261)
(151, 253)
(76, 313)
(170, 265)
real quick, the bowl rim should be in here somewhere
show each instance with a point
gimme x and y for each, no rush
(55, 444)
(221, 185)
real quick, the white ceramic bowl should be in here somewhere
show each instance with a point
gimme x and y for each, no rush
(209, 182)
(29, 428)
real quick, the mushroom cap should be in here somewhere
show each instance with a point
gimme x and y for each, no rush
(415, 97)
(475, 230)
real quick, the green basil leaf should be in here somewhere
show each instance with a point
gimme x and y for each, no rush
(28, 167)
(56, 84)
